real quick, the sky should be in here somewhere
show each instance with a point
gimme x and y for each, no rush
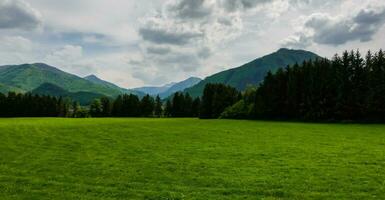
(153, 42)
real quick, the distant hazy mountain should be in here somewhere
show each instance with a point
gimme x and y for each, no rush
(169, 89)
(153, 90)
(84, 98)
(177, 87)
(27, 77)
(254, 72)
(112, 86)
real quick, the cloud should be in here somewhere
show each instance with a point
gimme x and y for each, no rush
(187, 9)
(236, 5)
(15, 43)
(158, 32)
(322, 28)
(158, 50)
(68, 53)
(70, 59)
(298, 41)
(15, 50)
(17, 14)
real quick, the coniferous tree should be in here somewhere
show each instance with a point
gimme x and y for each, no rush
(187, 106)
(345, 88)
(195, 107)
(216, 98)
(158, 107)
(106, 106)
(117, 107)
(75, 109)
(168, 109)
(147, 105)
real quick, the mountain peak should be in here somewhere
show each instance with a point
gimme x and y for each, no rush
(92, 77)
(293, 51)
(283, 49)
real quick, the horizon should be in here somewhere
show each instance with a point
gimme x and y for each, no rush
(151, 43)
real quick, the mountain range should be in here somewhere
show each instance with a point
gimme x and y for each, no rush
(40, 78)
(27, 77)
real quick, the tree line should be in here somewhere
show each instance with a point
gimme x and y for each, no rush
(348, 87)
(28, 105)
(129, 105)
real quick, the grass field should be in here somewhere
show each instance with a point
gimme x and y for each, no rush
(189, 159)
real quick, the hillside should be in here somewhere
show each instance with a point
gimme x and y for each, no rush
(6, 88)
(253, 72)
(84, 98)
(27, 77)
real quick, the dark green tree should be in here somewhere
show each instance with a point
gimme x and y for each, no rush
(216, 98)
(147, 105)
(96, 108)
(107, 106)
(158, 107)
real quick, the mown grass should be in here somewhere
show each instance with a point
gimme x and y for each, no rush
(189, 159)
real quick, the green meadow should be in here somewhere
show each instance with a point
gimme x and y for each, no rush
(189, 159)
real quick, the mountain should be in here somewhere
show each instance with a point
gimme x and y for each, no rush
(27, 77)
(177, 87)
(97, 80)
(153, 90)
(169, 89)
(254, 72)
(84, 98)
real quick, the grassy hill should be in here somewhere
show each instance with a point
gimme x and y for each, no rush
(84, 98)
(30, 76)
(253, 72)
(195, 159)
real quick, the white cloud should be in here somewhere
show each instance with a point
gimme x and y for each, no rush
(322, 28)
(69, 58)
(15, 50)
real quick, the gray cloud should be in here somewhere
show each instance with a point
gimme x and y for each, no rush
(322, 28)
(188, 9)
(158, 50)
(234, 5)
(16, 14)
(163, 36)
(299, 41)
(205, 52)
